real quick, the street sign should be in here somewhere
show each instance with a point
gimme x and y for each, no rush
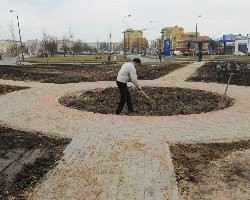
(167, 46)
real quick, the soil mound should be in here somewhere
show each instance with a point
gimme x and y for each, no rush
(25, 157)
(169, 101)
(212, 171)
(61, 74)
(220, 71)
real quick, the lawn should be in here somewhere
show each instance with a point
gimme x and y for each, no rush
(71, 59)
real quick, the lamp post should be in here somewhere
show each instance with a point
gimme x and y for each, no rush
(143, 43)
(196, 32)
(19, 33)
(248, 48)
(124, 39)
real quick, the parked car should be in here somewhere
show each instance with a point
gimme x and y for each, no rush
(219, 53)
(186, 53)
(205, 52)
(239, 53)
(177, 53)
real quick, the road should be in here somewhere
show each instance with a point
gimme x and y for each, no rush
(8, 60)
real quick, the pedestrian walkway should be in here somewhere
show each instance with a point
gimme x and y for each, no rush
(111, 168)
(100, 142)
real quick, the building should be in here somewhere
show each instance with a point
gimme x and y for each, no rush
(34, 46)
(175, 34)
(134, 41)
(10, 47)
(242, 43)
(184, 41)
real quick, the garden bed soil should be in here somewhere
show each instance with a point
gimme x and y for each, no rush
(7, 88)
(220, 71)
(168, 101)
(212, 171)
(25, 157)
(61, 74)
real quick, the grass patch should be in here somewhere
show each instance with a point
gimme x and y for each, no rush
(71, 59)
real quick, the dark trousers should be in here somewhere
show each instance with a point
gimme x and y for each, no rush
(200, 58)
(125, 97)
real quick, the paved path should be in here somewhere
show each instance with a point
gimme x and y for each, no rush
(8, 60)
(119, 153)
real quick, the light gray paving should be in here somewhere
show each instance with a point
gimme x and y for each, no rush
(111, 168)
(99, 145)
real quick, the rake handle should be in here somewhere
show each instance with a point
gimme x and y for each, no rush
(228, 82)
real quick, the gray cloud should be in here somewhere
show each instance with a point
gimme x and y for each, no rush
(93, 19)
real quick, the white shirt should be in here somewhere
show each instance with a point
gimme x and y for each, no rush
(126, 73)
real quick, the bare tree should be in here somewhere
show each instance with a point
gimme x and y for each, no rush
(50, 44)
(77, 47)
(67, 39)
(13, 45)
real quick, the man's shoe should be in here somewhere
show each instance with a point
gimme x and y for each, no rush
(119, 113)
(131, 110)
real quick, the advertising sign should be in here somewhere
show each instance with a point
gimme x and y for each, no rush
(167, 48)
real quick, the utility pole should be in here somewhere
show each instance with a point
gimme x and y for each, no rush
(124, 39)
(248, 48)
(97, 50)
(196, 33)
(124, 48)
(110, 40)
(19, 34)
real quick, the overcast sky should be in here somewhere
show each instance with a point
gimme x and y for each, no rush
(92, 20)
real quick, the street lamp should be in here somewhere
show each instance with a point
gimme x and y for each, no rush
(196, 32)
(19, 33)
(248, 48)
(124, 42)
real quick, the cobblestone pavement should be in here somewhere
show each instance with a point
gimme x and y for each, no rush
(135, 148)
(112, 168)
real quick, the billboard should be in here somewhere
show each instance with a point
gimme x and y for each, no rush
(167, 48)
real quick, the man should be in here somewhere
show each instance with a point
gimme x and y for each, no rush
(160, 56)
(126, 73)
(200, 55)
(114, 58)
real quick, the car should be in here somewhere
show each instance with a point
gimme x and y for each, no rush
(177, 53)
(186, 53)
(239, 53)
(205, 52)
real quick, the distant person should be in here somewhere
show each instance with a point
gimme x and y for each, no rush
(109, 58)
(114, 59)
(126, 73)
(160, 56)
(200, 56)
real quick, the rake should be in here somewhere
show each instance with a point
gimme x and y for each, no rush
(222, 102)
(153, 104)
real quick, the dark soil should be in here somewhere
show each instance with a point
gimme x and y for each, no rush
(191, 159)
(7, 88)
(169, 101)
(25, 157)
(86, 73)
(219, 72)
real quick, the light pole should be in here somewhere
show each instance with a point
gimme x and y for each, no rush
(248, 48)
(19, 33)
(124, 39)
(196, 32)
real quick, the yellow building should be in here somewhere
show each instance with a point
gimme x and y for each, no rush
(175, 34)
(203, 39)
(134, 41)
(8, 46)
(193, 44)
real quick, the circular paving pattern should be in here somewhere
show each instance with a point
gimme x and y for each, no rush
(168, 101)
